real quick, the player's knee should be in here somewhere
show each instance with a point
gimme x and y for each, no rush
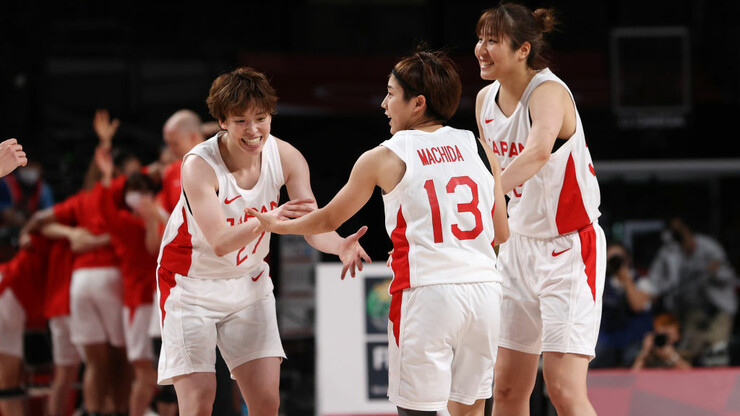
(264, 404)
(198, 402)
(504, 392)
(562, 395)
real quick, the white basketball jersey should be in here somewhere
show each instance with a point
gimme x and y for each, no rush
(185, 250)
(439, 216)
(564, 195)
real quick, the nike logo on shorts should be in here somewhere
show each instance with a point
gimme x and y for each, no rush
(227, 201)
(557, 253)
(254, 279)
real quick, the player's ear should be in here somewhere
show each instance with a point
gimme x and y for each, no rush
(420, 104)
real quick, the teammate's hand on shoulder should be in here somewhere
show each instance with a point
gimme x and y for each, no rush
(352, 254)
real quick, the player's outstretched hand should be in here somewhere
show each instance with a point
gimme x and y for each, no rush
(105, 128)
(295, 208)
(11, 156)
(352, 254)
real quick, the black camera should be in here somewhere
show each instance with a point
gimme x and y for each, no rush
(613, 264)
(660, 339)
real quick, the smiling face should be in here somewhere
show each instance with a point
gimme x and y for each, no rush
(400, 111)
(249, 130)
(496, 58)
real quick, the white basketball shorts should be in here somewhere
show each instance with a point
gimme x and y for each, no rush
(62, 350)
(552, 291)
(96, 302)
(136, 331)
(445, 344)
(200, 314)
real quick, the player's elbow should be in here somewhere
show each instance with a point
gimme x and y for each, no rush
(500, 237)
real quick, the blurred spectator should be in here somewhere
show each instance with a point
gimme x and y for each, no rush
(694, 280)
(625, 317)
(22, 193)
(659, 346)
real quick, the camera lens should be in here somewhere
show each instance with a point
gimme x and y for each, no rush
(660, 340)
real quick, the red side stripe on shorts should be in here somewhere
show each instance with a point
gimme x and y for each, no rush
(588, 253)
(395, 314)
(166, 280)
(400, 256)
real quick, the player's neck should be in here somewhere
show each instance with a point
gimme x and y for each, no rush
(516, 82)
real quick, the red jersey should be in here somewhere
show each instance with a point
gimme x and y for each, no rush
(170, 193)
(82, 210)
(58, 278)
(25, 274)
(128, 234)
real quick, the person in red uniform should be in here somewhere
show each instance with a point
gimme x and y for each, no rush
(22, 281)
(96, 302)
(134, 231)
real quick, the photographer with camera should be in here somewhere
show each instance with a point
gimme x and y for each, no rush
(625, 316)
(659, 346)
(693, 279)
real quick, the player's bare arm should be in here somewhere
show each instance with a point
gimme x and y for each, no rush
(200, 184)
(298, 185)
(500, 218)
(547, 109)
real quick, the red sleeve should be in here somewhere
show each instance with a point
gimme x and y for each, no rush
(116, 190)
(66, 211)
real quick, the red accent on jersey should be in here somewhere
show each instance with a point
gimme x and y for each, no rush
(488, 120)
(591, 168)
(227, 201)
(400, 256)
(571, 214)
(588, 253)
(555, 254)
(166, 283)
(177, 254)
(394, 314)
(434, 205)
(254, 279)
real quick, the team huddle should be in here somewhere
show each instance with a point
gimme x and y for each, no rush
(493, 268)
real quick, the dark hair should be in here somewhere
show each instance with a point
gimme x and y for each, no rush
(233, 92)
(433, 75)
(520, 24)
(140, 182)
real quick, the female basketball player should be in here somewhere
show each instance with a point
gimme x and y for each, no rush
(554, 263)
(214, 286)
(439, 199)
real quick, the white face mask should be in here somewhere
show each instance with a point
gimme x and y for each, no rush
(28, 176)
(133, 200)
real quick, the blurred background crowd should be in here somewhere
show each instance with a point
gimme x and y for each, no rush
(655, 84)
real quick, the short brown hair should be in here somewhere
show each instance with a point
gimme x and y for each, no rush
(433, 75)
(520, 24)
(233, 92)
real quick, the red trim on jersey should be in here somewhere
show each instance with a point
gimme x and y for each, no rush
(394, 315)
(400, 256)
(178, 253)
(588, 254)
(166, 283)
(571, 213)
